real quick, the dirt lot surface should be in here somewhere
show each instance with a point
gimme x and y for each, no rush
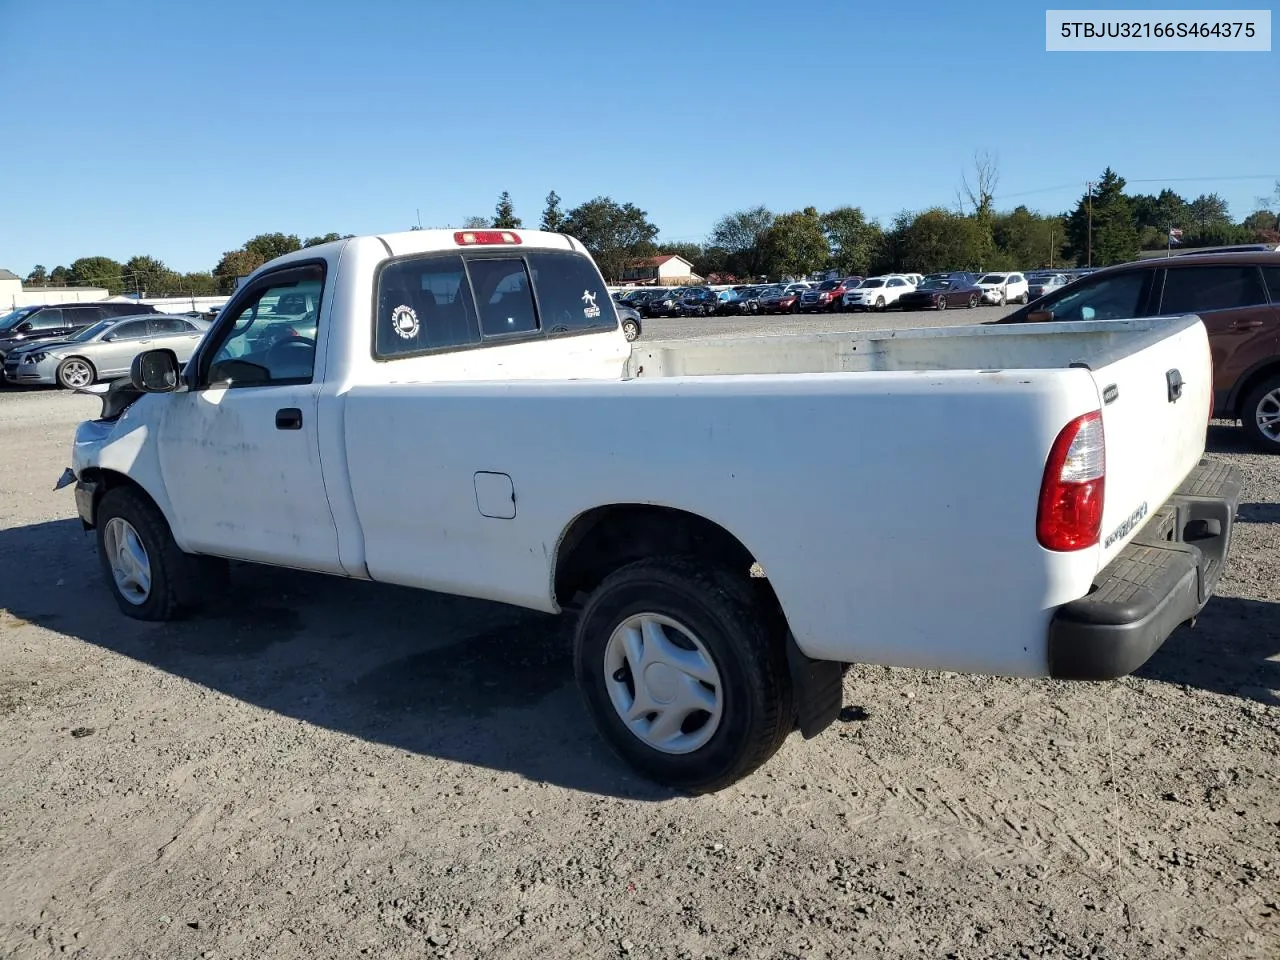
(333, 769)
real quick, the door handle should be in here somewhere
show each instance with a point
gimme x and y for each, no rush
(1247, 324)
(289, 418)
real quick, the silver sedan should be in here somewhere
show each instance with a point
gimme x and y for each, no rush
(103, 351)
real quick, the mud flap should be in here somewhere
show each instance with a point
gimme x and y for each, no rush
(818, 690)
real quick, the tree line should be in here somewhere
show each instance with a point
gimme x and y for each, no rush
(1107, 225)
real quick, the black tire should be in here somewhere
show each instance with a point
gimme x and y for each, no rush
(1249, 414)
(630, 330)
(879, 304)
(973, 301)
(795, 308)
(757, 712)
(62, 369)
(942, 303)
(180, 582)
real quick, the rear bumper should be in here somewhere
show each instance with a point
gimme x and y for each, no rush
(1162, 579)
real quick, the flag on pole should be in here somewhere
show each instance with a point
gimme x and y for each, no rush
(1175, 235)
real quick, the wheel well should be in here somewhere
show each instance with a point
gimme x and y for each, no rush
(111, 480)
(1247, 384)
(606, 538)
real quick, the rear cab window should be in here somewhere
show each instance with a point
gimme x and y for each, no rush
(438, 302)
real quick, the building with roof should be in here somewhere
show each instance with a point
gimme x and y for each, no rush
(666, 270)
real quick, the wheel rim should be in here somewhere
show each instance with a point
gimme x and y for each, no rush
(130, 565)
(75, 373)
(663, 683)
(629, 330)
(1267, 415)
(973, 302)
(942, 303)
(879, 302)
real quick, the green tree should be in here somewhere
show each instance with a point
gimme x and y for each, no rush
(97, 272)
(59, 276)
(1024, 239)
(742, 233)
(504, 214)
(552, 215)
(37, 277)
(198, 284)
(1115, 230)
(712, 260)
(235, 264)
(614, 233)
(148, 275)
(268, 246)
(854, 241)
(1209, 211)
(796, 245)
(935, 240)
(981, 196)
(690, 251)
(475, 223)
(326, 238)
(1261, 221)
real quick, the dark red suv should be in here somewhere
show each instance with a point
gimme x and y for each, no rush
(1236, 295)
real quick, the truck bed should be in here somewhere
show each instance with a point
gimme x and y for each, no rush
(974, 347)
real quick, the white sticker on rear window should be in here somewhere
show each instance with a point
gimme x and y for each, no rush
(590, 311)
(404, 320)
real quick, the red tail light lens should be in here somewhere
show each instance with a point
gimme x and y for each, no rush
(467, 238)
(1071, 494)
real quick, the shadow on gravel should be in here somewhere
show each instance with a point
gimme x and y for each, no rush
(464, 680)
(1227, 437)
(1258, 513)
(1234, 649)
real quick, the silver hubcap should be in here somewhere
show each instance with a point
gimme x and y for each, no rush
(1268, 415)
(130, 566)
(629, 330)
(76, 373)
(663, 683)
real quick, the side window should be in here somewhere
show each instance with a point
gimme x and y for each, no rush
(501, 289)
(47, 319)
(424, 304)
(81, 316)
(1272, 275)
(571, 295)
(1204, 289)
(169, 326)
(133, 330)
(266, 340)
(1108, 298)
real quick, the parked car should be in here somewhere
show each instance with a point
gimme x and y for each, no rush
(698, 302)
(664, 303)
(1002, 288)
(876, 293)
(643, 296)
(102, 351)
(696, 654)
(749, 299)
(58, 321)
(780, 299)
(827, 296)
(728, 302)
(915, 279)
(1045, 284)
(1236, 295)
(630, 320)
(953, 290)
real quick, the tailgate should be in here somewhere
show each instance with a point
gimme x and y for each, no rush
(1155, 414)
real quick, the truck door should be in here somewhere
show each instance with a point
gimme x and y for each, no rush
(239, 451)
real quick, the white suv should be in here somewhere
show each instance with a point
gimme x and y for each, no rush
(877, 293)
(1002, 288)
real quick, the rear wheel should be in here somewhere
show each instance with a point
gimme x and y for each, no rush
(630, 329)
(76, 372)
(681, 674)
(942, 303)
(1260, 415)
(973, 301)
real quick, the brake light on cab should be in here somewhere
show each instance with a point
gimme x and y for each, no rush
(470, 238)
(1071, 494)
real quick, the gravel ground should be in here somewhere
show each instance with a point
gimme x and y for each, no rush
(335, 769)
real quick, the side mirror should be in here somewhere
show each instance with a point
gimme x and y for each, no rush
(155, 371)
(24, 327)
(1040, 316)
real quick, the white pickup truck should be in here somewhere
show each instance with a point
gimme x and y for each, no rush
(730, 522)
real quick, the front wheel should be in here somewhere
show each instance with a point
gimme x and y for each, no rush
(681, 674)
(942, 303)
(879, 303)
(1260, 415)
(76, 372)
(149, 576)
(973, 301)
(630, 329)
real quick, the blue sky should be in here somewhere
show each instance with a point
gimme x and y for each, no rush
(180, 130)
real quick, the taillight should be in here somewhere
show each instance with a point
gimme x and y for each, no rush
(466, 238)
(1071, 494)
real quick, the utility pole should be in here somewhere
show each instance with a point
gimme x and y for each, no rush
(1089, 184)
